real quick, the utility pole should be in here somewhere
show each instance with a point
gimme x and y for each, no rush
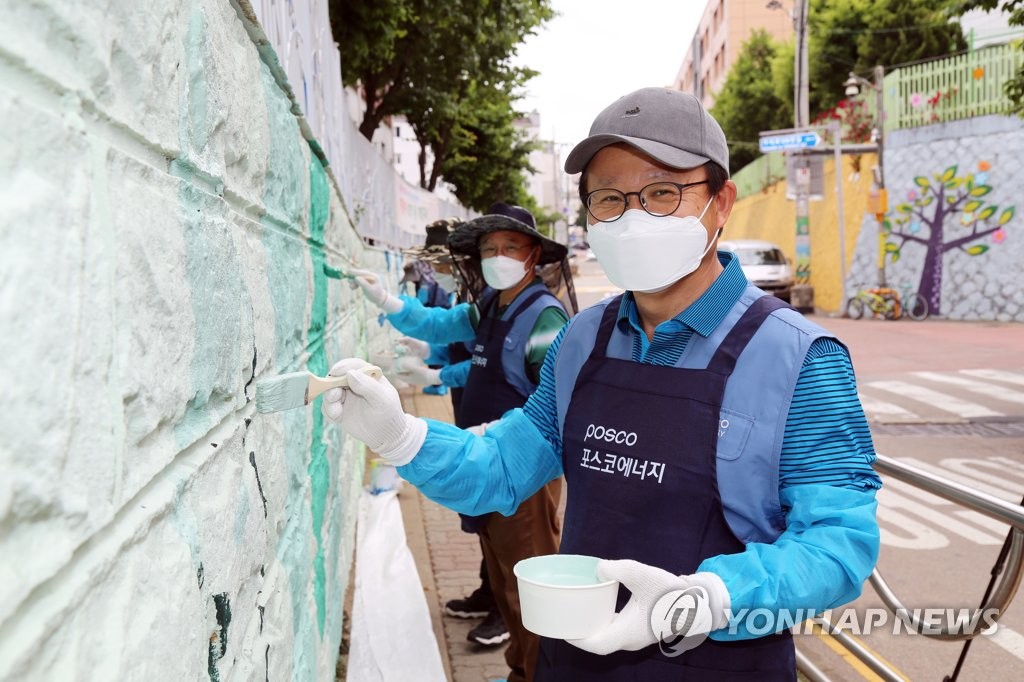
(803, 294)
(880, 179)
(801, 83)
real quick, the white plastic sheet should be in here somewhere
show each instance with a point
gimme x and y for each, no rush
(391, 636)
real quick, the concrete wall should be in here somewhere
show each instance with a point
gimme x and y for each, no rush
(165, 226)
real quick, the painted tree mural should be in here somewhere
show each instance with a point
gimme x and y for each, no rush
(931, 206)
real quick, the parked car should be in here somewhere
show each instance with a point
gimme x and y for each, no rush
(764, 264)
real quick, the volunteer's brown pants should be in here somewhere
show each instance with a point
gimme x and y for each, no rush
(533, 530)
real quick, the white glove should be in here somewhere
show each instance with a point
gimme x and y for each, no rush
(410, 346)
(661, 606)
(372, 286)
(371, 411)
(413, 370)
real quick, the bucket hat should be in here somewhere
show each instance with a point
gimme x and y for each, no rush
(465, 239)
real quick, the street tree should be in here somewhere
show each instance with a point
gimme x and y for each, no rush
(432, 63)
(932, 206)
(487, 157)
(748, 102)
(857, 35)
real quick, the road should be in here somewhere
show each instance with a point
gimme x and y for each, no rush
(948, 397)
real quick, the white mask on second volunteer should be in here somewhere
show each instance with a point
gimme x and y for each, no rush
(646, 253)
(502, 272)
(445, 281)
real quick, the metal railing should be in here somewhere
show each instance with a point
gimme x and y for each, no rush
(998, 599)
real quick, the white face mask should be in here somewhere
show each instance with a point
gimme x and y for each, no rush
(445, 281)
(641, 252)
(502, 272)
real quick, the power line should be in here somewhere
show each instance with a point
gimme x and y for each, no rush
(901, 29)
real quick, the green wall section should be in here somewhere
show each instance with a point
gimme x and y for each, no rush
(319, 467)
(288, 266)
(196, 217)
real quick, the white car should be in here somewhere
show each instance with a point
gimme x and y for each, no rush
(764, 264)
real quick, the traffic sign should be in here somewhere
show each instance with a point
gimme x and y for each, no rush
(780, 143)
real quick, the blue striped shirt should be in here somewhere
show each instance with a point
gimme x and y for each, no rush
(826, 440)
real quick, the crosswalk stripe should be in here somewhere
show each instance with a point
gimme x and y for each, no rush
(989, 390)
(941, 401)
(1008, 639)
(875, 406)
(996, 375)
(889, 497)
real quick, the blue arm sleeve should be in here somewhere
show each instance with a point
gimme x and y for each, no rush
(433, 325)
(479, 474)
(439, 354)
(821, 561)
(457, 374)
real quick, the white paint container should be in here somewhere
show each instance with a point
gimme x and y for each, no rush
(561, 596)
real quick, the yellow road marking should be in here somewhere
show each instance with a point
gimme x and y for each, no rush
(851, 660)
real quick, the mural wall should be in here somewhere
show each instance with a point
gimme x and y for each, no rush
(168, 229)
(953, 232)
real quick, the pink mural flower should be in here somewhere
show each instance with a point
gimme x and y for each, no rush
(911, 195)
(915, 100)
(999, 236)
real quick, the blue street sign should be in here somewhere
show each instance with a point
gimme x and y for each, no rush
(780, 143)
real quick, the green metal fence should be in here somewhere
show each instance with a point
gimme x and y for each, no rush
(936, 91)
(950, 89)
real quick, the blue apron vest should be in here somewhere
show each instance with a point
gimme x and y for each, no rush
(755, 408)
(497, 379)
(640, 460)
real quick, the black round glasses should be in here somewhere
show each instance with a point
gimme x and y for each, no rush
(659, 199)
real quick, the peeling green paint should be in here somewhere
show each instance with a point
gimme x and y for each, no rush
(319, 467)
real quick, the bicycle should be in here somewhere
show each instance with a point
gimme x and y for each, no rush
(880, 301)
(914, 305)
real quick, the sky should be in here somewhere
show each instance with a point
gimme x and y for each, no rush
(595, 51)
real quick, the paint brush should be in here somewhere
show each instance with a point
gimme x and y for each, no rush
(299, 388)
(334, 273)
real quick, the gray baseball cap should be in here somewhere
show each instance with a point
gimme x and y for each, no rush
(667, 125)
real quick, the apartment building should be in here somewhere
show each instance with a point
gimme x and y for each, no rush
(724, 27)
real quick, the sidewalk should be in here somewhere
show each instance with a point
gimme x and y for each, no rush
(448, 561)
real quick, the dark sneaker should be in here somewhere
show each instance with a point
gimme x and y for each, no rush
(476, 605)
(491, 632)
